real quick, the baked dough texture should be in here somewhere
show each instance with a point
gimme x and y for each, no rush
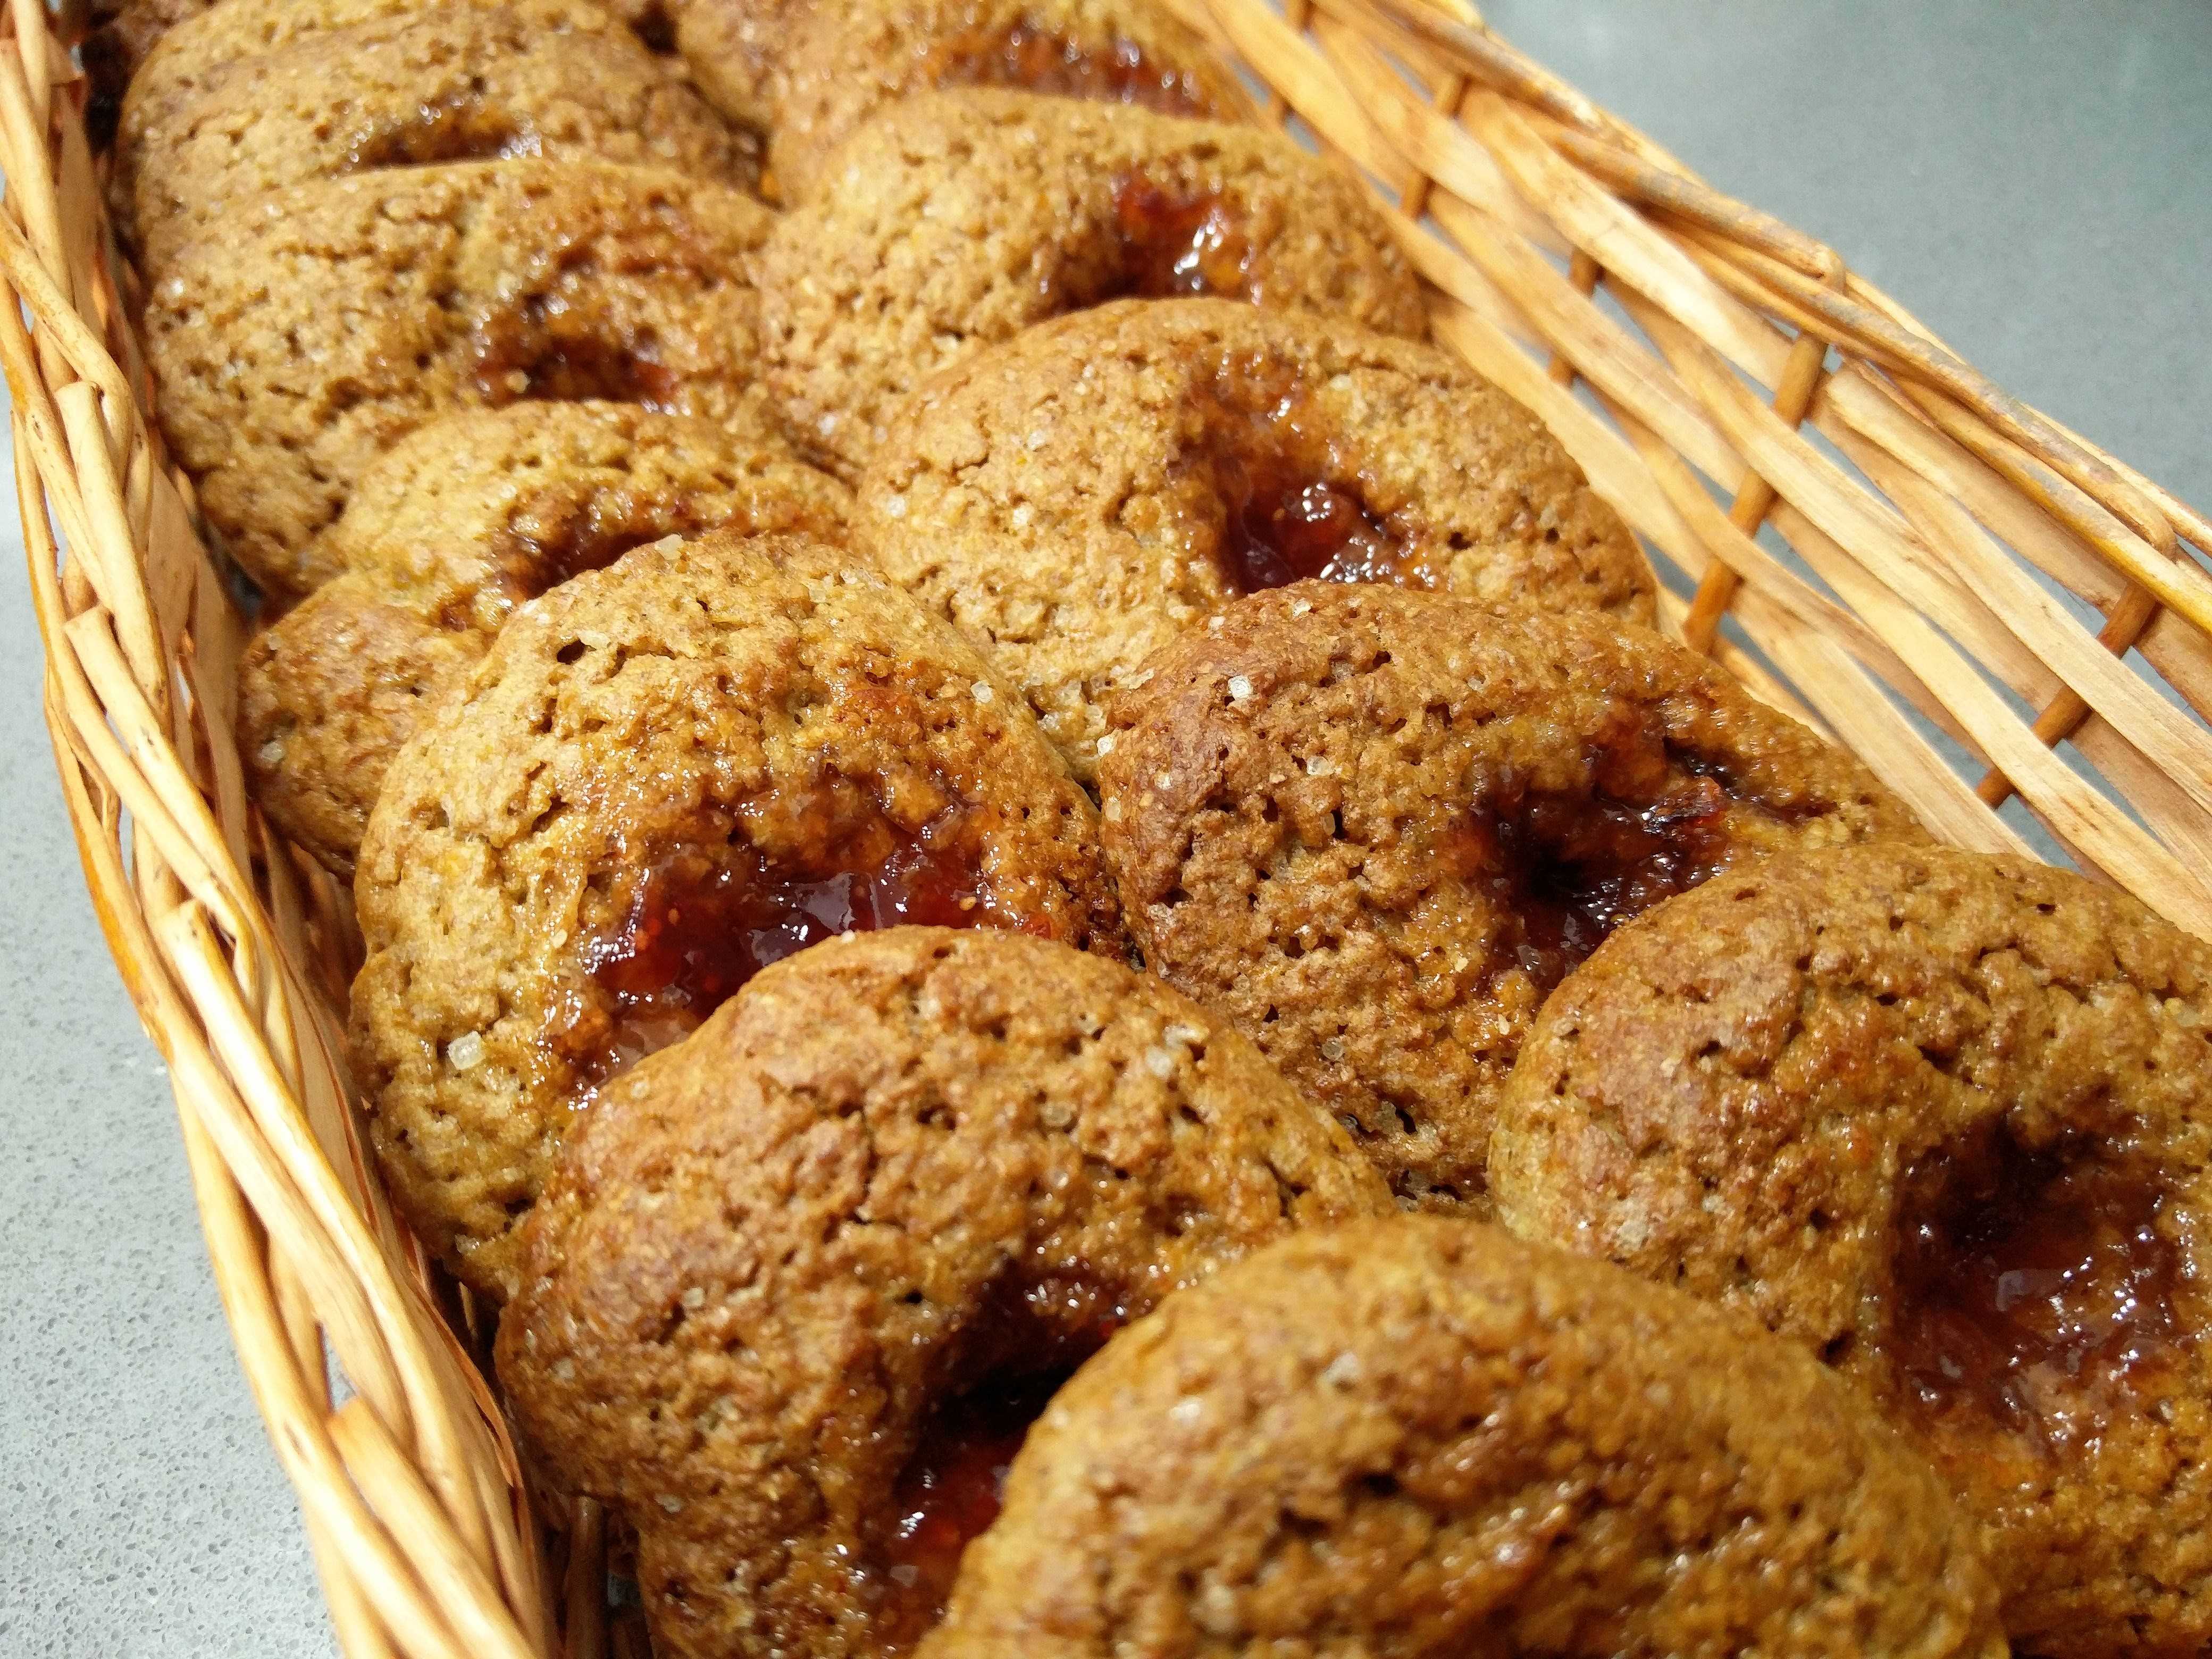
(409, 91)
(1375, 826)
(1419, 1437)
(1073, 499)
(960, 218)
(890, 1170)
(446, 533)
(1945, 1119)
(326, 321)
(662, 775)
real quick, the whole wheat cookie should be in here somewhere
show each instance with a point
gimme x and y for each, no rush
(458, 86)
(848, 58)
(961, 218)
(1945, 1119)
(1420, 1438)
(1073, 499)
(1377, 825)
(151, 49)
(328, 320)
(795, 1282)
(446, 534)
(663, 777)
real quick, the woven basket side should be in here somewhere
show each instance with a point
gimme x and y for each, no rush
(1859, 527)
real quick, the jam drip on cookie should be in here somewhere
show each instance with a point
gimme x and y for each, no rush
(550, 348)
(1031, 57)
(949, 1493)
(2034, 1288)
(705, 919)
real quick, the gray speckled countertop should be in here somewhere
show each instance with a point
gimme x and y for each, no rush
(2032, 177)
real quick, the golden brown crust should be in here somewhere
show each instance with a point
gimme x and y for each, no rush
(158, 48)
(1764, 1090)
(963, 217)
(445, 535)
(848, 58)
(692, 729)
(1374, 825)
(471, 85)
(1418, 1437)
(328, 320)
(889, 1169)
(1074, 498)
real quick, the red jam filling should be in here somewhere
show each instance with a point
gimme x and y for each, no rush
(704, 919)
(1025, 55)
(1564, 872)
(1175, 243)
(2032, 1290)
(552, 349)
(949, 1491)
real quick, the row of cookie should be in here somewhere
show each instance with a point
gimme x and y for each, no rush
(324, 321)
(672, 775)
(449, 80)
(802, 1302)
(1069, 501)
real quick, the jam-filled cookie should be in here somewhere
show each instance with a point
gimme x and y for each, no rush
(1946, 1119)
(967, 216)
(1420, 1438)
(798, 1285)
(1377, 825)
(663, 777)
(445, 535)
(850, 58)
(327, 320)
(1073, 499)
(155, 49)
(462, 86)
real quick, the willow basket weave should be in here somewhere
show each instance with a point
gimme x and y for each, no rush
(1737, 378)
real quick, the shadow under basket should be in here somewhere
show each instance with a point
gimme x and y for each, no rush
(2010, 625)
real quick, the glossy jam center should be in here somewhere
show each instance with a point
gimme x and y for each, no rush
(1024, 54)
(949, 1492)
(551, 349)
(2035, 1290)
(1563, 872)
(1175, 243)
(705, 919)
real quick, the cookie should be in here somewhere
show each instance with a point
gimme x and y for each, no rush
(152, 49)
(1417, 1437)
(1073, 499)
(327, 320)
(848, 58)
(1376, 826)
(462, 86)
(796, 1279)
(445, 535)
(1945, 1119)
(663, 777)
(961, 218)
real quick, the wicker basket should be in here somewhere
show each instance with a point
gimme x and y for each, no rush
(1913, 510)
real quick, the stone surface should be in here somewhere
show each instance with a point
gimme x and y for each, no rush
(2028, 179)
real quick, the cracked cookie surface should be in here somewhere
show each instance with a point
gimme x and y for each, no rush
(892, 1173)
(1945, 1119)
(961, 218)
(1377, 825)
(1075, 498)
(663, 777)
